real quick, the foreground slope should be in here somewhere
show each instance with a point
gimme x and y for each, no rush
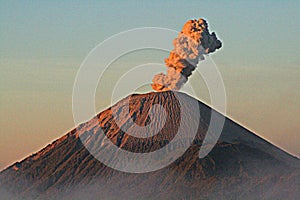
(240, 166)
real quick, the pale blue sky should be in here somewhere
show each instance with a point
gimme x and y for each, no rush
(44, 43)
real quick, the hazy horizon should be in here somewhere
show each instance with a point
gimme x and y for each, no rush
(43, 45)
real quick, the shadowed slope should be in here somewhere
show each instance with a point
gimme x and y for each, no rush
(241, 165)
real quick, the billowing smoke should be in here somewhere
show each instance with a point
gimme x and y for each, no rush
(193, 42)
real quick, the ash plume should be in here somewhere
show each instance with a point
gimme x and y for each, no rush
(193, 42)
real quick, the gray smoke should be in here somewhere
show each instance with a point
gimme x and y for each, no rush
(193, 42)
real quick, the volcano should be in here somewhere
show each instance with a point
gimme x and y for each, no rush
(240, 166)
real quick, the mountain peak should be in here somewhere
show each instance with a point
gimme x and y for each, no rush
(241, 164)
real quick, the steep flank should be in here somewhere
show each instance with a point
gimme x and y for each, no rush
(240, 166)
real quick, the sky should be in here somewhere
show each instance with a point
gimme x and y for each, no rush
(44, 43)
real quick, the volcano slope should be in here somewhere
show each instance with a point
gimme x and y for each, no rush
(240, 166)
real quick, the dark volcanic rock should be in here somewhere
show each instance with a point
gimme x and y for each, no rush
(240, 166)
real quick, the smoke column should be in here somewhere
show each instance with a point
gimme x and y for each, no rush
(193, 42)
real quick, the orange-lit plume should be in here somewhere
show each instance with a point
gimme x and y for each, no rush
(192, 43)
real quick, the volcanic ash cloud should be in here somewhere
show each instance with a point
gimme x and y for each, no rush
(193, 42)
